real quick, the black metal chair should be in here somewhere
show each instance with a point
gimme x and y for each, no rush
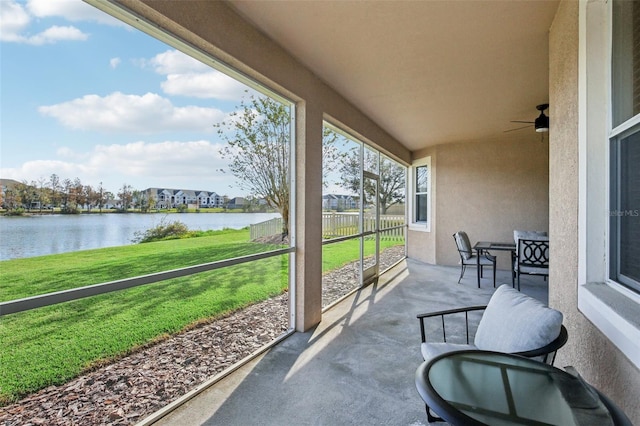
(470, 258)
(511, 322)
(531, 258)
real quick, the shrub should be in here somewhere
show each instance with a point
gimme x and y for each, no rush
(15, 212)
(163, 231)
(70, 210)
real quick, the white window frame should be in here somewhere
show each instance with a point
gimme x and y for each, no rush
(415, 225)
(611, 307)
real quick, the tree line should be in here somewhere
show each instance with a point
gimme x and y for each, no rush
(69, 196)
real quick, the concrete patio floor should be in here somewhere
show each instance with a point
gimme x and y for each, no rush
(356, 367)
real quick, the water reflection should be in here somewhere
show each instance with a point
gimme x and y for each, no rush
(30, 236)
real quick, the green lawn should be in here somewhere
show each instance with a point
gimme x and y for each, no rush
(339, 254)
(52, 345)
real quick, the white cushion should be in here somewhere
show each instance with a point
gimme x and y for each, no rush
(529, 235)
(515, 322)
(534, 270)
(473, 260)
(464, 246)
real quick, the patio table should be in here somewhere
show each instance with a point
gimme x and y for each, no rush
(486, 246)
(493, 388)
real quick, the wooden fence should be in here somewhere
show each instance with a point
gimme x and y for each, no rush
(336, 225)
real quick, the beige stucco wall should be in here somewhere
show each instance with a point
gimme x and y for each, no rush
(588, 349)
(488, 189)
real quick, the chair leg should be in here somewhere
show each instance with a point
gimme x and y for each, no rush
(462, 268)
(518, 282)
(431, 418)
(494, 274)
(479, 274)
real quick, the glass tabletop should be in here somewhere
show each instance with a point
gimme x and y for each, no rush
(500, 389)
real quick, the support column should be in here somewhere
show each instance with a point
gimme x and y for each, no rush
(308, 217)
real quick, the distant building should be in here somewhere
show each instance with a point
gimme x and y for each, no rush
(339, 202)
(166, 198)
(237, 202)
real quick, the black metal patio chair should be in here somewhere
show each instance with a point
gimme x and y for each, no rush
(469, 257)
(512, 322)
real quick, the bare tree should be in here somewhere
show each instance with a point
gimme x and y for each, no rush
(392, 179)
(78, 194)
(126, 197)
(66, 194)
(99, 197)
(42, 192)
(258, 146)
(258, 137)
(55, 187)
(88, 196)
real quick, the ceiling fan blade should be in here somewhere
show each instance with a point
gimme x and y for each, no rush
(519, 128)
(517, 121)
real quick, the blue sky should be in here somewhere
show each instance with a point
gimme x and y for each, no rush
(83, 95)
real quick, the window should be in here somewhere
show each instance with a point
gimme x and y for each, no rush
(422, 193)
(624, 225)
(625, 210)
(364, 213)
(420, 185)
(608, 294)
(155, 289)
(625, 62)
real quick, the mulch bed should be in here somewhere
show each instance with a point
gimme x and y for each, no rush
(130, 389)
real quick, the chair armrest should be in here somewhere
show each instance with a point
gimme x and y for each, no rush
(489, 256)
(486, 254)
(548, 352)
(442, 314)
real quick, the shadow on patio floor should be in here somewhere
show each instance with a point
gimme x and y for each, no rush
(356, 367)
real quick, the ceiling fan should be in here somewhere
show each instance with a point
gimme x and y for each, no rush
(541, 123)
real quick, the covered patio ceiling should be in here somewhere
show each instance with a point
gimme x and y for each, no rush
(428, 72)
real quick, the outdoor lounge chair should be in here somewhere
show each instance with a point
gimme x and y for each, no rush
(470, 258)
(512, 322)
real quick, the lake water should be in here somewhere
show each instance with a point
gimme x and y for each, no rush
(29, 236)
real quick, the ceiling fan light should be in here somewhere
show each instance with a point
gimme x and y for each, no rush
(542, 123)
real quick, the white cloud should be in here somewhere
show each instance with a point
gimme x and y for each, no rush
(16, 21)
(55, 34)
(186, 76)
(71, 10)
(118, 112)
(191, 164)
(175, 62)
(210, 85)
(17, 18)
(38, 169)
(170, 158)
(114, 62)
